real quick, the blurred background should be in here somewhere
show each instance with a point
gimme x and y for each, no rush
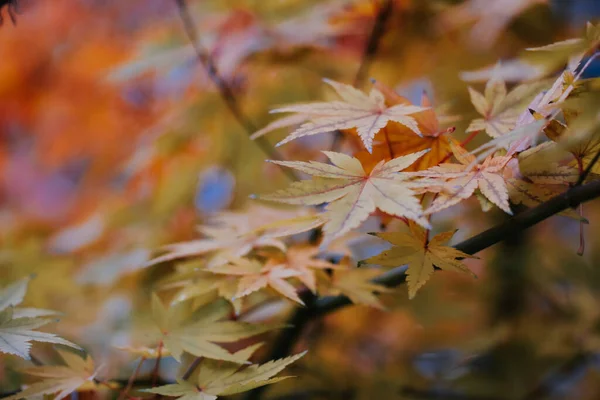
(114, 141)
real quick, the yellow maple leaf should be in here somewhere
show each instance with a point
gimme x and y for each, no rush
(217, 378)
(501, 109)
(367, 113)
(78, 373)
(255, 276)
(420, 254)
(235, 234)
(354, 283)
(196, 332)
(536, 176)
(191, 280)
(454, 183)
(17, 325)
(352, 193)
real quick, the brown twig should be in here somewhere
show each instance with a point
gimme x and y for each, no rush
(132, 379)
(226, 92)
(384, 14)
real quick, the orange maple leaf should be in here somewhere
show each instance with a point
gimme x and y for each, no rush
(397, 140)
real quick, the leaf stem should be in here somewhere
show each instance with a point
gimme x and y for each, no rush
(155, 371)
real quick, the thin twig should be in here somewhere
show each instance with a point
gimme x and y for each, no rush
(156, 370)
(191, 368)
(384, 14)
(588, 169)
(132, 379)
(225, 91)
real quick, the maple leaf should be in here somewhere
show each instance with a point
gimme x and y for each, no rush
(192, 281)
(17, 325)
(535, 178)
(583, 147)
(255, 275)
(500, 110)
(196, 333)
(420, 254)
(454, 183)
(354, 283)
(78, 374)
(367, 113)
(570, 51)
(216, 379)
(301, 258)
(235, 234)
(353, 194)
(399, 140)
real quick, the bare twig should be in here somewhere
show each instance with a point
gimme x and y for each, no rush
(225, 91)
(384, 14)
(588, 169)
(369, 53)
(131, 380)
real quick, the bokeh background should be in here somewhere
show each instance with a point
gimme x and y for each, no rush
(114, 141)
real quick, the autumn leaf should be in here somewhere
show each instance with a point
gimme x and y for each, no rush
(353, 194)
(354, 283)
(196, 333)
(78, 374)
(302, 258)
(398, 140)
(255, 276)
(454, 183)
(17, 325)
(420, 254)
(235, 234)
(216, 379)
(501, 110)
(368, 114)
(191, 280)
(536, 176)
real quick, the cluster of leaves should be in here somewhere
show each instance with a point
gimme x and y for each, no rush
(394, 162)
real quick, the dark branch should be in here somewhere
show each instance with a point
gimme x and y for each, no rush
(225, 91)
(395, 277)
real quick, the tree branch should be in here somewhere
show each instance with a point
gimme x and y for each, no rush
(384, 14)
(395, 277)
(225, 91)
